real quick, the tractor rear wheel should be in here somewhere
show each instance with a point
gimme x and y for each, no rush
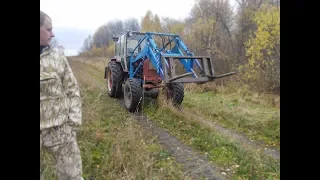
(175, 92)
(132, 94)
(115, 78)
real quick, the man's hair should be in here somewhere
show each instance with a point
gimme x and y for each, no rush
(43, 17)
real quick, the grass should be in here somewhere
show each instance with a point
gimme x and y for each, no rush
(241, 164)
(255, 115)
(98, 63)
(112, 145)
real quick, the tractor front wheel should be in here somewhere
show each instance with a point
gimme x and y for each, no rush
(175, 93)
(115, 78)
(132, 94)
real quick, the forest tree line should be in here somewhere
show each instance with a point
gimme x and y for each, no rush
(246, 39)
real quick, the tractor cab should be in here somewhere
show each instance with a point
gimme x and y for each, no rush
(125, 47)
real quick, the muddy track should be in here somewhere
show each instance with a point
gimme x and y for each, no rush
(245, 142)
(195, 164)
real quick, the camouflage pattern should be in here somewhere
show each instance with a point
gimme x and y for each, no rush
(61, 142)
(60, 114)
(60, 100)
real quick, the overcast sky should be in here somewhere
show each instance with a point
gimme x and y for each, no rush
(74, 20)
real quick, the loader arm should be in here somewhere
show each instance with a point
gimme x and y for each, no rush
(163, 61)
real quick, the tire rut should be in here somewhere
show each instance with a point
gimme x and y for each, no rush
(195, 164)
(245, 142)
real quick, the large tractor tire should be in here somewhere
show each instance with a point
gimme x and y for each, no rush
(115, 78)
(175, 93)
(132, 94)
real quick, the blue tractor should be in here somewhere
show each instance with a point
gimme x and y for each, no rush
(140, 67)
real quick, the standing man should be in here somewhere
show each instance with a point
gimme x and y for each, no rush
(60, 107)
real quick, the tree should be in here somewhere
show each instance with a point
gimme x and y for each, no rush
(151, 23)
(263, 48)
(131, 24)
(87, 44)
(244, 25)
(147, 22)
(209, 25)
(103, 36)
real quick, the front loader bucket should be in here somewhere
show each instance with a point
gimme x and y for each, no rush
(204, 64)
